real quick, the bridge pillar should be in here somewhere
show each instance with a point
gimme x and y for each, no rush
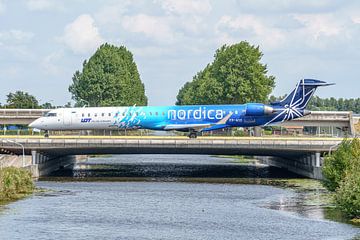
(309, 160)
(257, 131)
(33, 157)
(308, 165)
(317, 160)
(43, 165)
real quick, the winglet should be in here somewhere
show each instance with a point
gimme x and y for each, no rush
(225, 119)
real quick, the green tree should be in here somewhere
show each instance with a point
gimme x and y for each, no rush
(331, 104)
(109, 78)
(335, 164)
(47, 105)
(341, 171)
(348, 194)
(21, 99)
(235, 76)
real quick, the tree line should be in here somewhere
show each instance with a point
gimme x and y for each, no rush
(24, 100)
(328, 104)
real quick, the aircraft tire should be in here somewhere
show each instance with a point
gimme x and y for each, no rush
(192, 135)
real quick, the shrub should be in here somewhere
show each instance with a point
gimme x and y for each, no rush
(347, 196)
(341, 171)
(336, 164)
(15, 182)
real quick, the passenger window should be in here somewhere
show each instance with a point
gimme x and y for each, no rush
(103, 114)
(163, 113)
(95, 115)
(109, 114)
(89, 114)
(150, 113)
(156, 113)
(83, 115)
(50, 115)
(123, 114)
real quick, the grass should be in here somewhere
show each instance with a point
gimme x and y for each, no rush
(15, 183)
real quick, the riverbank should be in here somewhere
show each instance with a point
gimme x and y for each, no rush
(15, 183)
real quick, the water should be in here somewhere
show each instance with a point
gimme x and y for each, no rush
(158, 205)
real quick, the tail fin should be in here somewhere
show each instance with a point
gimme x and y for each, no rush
(301, 95)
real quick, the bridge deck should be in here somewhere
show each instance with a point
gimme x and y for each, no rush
(284, 147)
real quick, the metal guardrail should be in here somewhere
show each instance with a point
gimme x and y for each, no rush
(226, 143)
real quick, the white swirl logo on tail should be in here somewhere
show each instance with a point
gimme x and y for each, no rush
(296, 106)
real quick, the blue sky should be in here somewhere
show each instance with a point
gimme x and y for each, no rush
(43, 42)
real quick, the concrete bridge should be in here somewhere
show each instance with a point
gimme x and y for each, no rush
(300, 155)
(20, 116)
(334, 119)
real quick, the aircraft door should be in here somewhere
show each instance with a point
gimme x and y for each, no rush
(67, 117)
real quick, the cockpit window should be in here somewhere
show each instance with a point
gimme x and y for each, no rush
(50, 114)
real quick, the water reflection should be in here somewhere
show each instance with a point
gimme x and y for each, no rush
(171, 166)
(308, 198)
(171, 197)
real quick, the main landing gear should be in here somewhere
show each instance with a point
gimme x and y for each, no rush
(192, 134)
(46, 134)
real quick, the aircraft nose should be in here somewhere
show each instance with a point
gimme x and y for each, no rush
(32, 124)
(35, 124)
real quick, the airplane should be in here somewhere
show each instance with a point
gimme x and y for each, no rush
(193, 119)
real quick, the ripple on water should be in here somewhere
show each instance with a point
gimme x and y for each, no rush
(167, 197)
(160, 210)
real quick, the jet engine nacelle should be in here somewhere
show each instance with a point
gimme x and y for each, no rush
(258, 109)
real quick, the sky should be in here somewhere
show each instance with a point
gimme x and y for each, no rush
(43, 42)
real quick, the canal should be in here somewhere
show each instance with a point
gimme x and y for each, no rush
(173, 197)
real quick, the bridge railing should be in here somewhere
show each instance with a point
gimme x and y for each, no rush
(326, 116)
(8, 113)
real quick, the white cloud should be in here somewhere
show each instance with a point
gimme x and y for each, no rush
(11, 72)
(42, 5)
(186, 6)
(14, 45)
(151, 51)
(82, 36)
(317, 25)
(322, 31)
(49, 63)
(112, 14)
(287, 6)
(157, 28)
(248, 27)
(16, 35)
(2, 7)
(356, 19)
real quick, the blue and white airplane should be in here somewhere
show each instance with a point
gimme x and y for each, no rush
(192, 119)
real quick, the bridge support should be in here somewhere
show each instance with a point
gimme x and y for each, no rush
(308, 165)
(43, 165)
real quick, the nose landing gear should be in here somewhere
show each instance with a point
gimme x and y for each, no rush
(192, 134)
(46, 135)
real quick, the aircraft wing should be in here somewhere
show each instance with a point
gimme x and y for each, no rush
(197, 126)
